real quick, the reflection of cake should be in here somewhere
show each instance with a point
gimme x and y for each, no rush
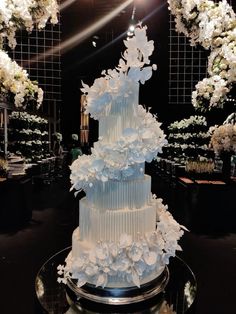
(126, 235)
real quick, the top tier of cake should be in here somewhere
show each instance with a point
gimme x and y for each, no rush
(129, 135)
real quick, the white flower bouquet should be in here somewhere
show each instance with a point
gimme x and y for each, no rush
(14, 81)
(57, 136)
(24, 14)
(210, 93)
(224, 138)
(74, 137)
(213, 26)
(203, 21)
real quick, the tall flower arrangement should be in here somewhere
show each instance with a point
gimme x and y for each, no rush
(188, 142)
(28, 136)
(213, 26)
(15, 15)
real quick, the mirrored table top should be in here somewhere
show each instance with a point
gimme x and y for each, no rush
(55, 298)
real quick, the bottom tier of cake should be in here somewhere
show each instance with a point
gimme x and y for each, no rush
(125, 261)
(96, 225)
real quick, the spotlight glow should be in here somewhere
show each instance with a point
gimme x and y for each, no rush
(131, 28)
(66, 4)
(79, 37)
(97, 51)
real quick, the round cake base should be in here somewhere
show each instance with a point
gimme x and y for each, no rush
(118, 296)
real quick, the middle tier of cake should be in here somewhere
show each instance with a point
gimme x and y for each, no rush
(111, 224)
(125, 194)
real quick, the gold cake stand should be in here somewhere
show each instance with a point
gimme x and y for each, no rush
(118, 296)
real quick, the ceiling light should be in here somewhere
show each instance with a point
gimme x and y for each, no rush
(131, 28)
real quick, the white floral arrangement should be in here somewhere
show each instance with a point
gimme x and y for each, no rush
(136, 145)
(213, 26)
(186, 136)
(203, 21)
(25, 116)
(224, 138)
(186, 146)
(128, 259)
(221, 65)
(16, 15)
(14, 80)
(186, 123)
(57, 136)
(25, 14)
(74, 137)
(210, 92)
(27, 136)
(188, 141)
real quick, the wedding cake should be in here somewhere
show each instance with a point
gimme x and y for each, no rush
(125, 235)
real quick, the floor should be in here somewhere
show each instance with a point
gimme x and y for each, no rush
(212, 257)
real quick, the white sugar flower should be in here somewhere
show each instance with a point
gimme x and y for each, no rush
(125, 240)
(101, 280)
(81, 279)
(91, 270)
(135, 252)
(117, 83)
(102, 251)
(150, 258)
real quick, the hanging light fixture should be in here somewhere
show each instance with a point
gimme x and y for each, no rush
(132, 24)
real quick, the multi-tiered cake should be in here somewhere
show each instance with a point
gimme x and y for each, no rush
(125, 235)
